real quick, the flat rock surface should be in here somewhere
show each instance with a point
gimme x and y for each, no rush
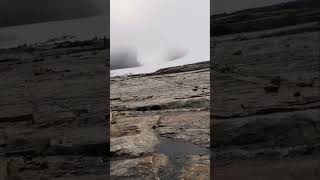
(147, 167)
(133, 136)
(164, 113)
(266, 118)
(53, 111)
(198, 167)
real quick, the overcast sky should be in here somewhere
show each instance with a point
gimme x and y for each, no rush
(161, 30)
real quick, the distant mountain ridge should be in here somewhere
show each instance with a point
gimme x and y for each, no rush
(268, 17)
(17, 12)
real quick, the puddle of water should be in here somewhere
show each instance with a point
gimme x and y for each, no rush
(177, 152)
(173, 148)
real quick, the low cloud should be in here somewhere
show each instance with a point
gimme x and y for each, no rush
(124, 58)
(175, 54)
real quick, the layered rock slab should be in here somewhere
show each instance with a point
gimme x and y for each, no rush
(133, 136)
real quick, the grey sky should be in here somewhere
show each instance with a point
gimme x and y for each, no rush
(160, 30)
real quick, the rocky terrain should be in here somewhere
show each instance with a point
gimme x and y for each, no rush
(54, 117)
(265, 120)
(160, 126)
(53, 112)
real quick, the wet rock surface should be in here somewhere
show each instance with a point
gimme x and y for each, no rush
(198, 167)
(161, 116)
